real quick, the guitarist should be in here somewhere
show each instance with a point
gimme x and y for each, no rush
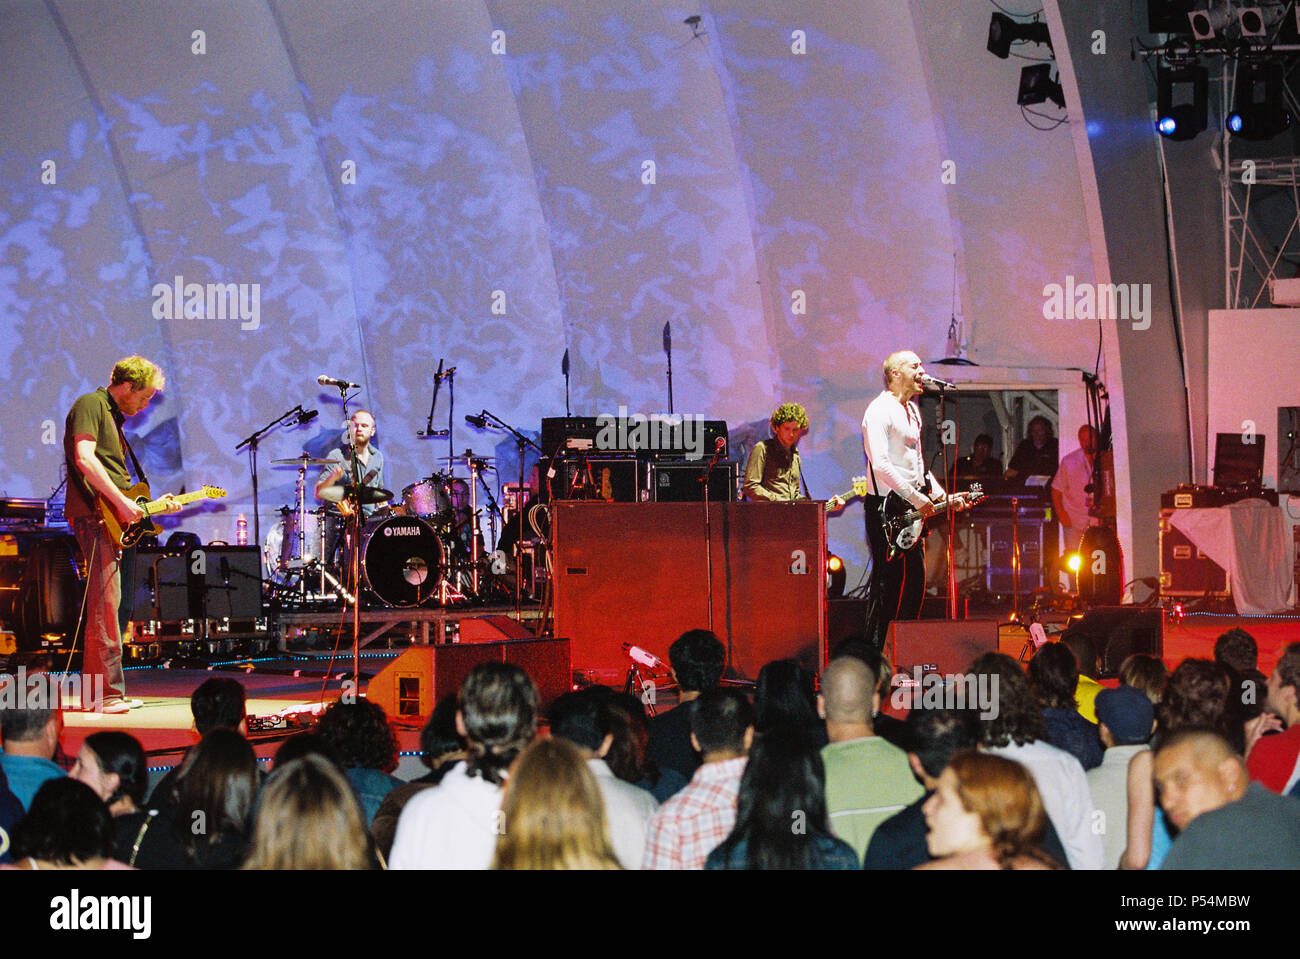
(891, 437)
(774, 472)
(96, 450)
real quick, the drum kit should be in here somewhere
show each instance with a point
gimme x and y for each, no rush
(425, 548)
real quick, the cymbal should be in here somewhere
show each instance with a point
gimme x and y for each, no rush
(369, 494)
(303, 460)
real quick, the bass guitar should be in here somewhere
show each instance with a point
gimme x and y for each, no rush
(139, 494)
(904, 523)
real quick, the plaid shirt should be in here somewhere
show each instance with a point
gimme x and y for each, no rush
(693, 823)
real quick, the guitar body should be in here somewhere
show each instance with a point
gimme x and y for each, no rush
(904, 524)
(139, 494)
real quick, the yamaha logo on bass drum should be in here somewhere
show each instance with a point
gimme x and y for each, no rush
(413, 530)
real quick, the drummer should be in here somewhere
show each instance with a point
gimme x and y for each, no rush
(370, 464)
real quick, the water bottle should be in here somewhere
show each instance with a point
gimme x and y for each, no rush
(241, 531)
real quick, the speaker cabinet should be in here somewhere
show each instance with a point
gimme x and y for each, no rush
(639, 574)
(1120, 631)
(940, 645)
(684, 482)
(211, 582)
(410, 686)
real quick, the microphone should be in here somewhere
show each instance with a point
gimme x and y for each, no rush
(324, 380)
(930, 381)
(306, 416)
(478, 422)
(668, 337)
(564, 364)
(644, 657)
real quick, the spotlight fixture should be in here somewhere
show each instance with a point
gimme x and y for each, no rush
(1258, 110)
(1182, 101)
(836, 576)
(1003, 31)
(1210, 22)
(1037, 86)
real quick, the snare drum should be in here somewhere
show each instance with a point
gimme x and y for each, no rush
(282, 542)
(402, 560)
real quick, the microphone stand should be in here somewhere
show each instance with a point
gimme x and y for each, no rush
(522, 441)
(353, 545)
(668, 349)
(252, 443)
(429, 432)
(564, 368)
(708, 538)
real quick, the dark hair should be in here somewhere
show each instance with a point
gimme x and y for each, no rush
(439, 738)
(698, 658)
(785, 697)
(218, 780)
(358, 734)
(720, 719)
(784, 784)
(218, 701)
(1288, 666)
(936, 735)
(581, 718)
(1200, 693)
(306, 743)
(121, 753)
(1019, 719)
(1146, 673)
(20, 724)
(983, 438)
(1046, 423)
(67, 823)
(1237, 650)
(627, 756)
(1055, 674)
(1084, 648)
(498, 704)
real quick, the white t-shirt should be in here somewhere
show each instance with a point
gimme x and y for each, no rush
(451, 826)
(891, 437)
(628, 810)
(1066, 798)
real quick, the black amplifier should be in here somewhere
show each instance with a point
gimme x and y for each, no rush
(660, 434)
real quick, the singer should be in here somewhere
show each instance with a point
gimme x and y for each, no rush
(774, 472)
(891, 437)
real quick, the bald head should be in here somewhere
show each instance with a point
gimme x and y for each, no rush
(848, 691)
(1196, 772)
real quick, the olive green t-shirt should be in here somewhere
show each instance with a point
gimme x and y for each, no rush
(93, 414)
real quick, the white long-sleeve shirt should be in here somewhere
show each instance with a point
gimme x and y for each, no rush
(891, 437)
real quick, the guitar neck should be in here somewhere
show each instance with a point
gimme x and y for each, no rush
(180, 499)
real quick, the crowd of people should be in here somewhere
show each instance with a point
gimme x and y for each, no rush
(1195, 768)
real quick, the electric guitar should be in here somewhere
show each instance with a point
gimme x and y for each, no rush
(840, 499)
(904, 525)
(139, 494)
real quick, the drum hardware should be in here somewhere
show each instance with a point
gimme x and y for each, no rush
(300, 416)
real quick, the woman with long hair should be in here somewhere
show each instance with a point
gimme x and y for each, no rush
(67, 827)
(112, 763)
(781, 819)
(554, 816)
(986, 814)
(309, 818)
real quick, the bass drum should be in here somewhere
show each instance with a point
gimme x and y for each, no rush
(402, 560)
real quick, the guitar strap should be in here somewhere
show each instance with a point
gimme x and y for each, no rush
(139, 470)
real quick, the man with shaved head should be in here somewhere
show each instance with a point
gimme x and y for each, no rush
(1225, 821)
(868, 779)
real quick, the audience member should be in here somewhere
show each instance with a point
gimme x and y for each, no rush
(1237, 650)
(308, 817)
(1054, 673)
(441, 747)
(66, 827)
(1198, 693)
(112, 763)
(553, 812)
(698, 659)
(986, 814)
(785, 697)
(207, 826)
(1146, 674)
(31, 740)
(1224, 820)
(1037, 453)
(218, 703)
(628, 758)
(781, 820)
(888, 728)
(455, 824)
(306, 743)
(1019, 732)
(357, 734)
(1272, 760)
(11, 810)
(867, 778)
(1127, 720)
(692, 823)
(1084, 648)
(582, 718)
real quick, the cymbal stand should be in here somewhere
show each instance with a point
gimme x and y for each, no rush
(352, 543)
(251, 442)
(522, 442)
